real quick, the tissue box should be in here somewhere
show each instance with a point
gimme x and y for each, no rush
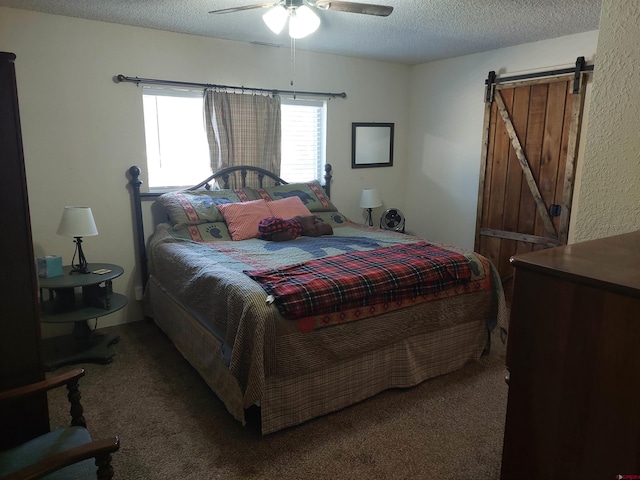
(49, 266)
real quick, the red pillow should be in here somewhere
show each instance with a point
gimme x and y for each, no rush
(242, 218)
(288, 208)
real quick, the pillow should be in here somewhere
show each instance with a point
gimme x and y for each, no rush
(192, 208)
(335, 219)
(311, 193)
(243, 218)
(288, 208)
(204, 232)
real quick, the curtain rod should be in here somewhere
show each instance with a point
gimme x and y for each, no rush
(174, 83)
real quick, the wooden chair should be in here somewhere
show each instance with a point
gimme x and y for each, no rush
(63, 453)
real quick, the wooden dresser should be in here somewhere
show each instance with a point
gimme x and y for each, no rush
(573, 357)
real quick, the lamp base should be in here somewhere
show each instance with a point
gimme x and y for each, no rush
(369, 220)
(79, 269)
(81, 266)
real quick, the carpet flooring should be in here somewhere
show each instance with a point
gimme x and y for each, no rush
(172, 426)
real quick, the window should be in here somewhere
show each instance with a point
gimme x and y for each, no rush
(177, 149)
(175, 137)
(303, 140)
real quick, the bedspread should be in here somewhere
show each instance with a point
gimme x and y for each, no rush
(208, 279)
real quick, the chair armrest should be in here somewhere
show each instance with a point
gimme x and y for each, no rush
(100, 448)
(42, 386)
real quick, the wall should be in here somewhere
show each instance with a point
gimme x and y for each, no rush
(609, 197)
(82, 131)
(447, 115)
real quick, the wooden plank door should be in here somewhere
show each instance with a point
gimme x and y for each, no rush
(527, 172)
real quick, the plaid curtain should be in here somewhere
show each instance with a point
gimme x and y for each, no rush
(243, 129)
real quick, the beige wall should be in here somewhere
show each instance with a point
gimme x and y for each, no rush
(81, 131)
(608, 201)
(447, 115)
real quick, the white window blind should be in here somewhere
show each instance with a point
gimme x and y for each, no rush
(303, 140)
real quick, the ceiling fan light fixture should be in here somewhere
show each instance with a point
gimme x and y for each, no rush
(302, 22)
(276, 18)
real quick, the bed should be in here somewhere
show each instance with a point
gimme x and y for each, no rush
(307, 326)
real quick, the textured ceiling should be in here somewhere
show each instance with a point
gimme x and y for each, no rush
(417, 31)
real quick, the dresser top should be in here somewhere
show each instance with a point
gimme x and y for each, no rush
(612, 262)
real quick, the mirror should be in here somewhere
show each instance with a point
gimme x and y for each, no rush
(371, 145)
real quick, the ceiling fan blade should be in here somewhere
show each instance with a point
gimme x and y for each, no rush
(354, 7)
(246, 7)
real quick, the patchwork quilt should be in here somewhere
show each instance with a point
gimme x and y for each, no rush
(414, 271)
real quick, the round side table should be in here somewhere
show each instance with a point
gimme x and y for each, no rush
(77, 298)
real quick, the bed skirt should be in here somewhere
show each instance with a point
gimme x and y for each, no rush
(293, 399)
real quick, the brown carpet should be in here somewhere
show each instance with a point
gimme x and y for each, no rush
(172, 426)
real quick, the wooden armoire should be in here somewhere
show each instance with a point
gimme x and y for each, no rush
(20, 353)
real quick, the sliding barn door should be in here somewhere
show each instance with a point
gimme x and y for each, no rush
(528, 163)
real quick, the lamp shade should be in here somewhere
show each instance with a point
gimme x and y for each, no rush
(370, 198)
(302, 22)
(276, 18)
(77, 222)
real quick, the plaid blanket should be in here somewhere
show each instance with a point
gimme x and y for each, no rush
(356, 279)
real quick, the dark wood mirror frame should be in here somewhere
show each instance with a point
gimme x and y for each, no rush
(371, 145)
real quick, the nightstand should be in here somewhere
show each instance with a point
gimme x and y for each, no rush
(78, 298)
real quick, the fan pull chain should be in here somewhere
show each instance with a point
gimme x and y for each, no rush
(293, 66)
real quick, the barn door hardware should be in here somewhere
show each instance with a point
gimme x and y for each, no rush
(580, 67)
(577, 74)
(490, 82)
(555, 210)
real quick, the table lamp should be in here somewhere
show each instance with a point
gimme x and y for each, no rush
(370, 200)
(77, 222)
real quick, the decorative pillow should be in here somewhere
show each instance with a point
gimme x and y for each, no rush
(192, 208)
(204, 232)
(311, 193)
(243, 218)
(288, 208)
(335, 219)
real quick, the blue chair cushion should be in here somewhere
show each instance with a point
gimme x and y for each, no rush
(50, 443)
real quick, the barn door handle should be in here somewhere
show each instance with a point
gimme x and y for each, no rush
(555, 210)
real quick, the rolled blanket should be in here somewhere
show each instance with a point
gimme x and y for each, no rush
(278, 229)
(313, 226)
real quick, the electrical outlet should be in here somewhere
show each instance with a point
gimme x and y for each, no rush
(138, 291)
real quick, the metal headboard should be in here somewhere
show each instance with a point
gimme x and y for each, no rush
(222, 175)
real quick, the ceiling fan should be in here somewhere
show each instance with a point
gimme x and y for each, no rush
(302, 20)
